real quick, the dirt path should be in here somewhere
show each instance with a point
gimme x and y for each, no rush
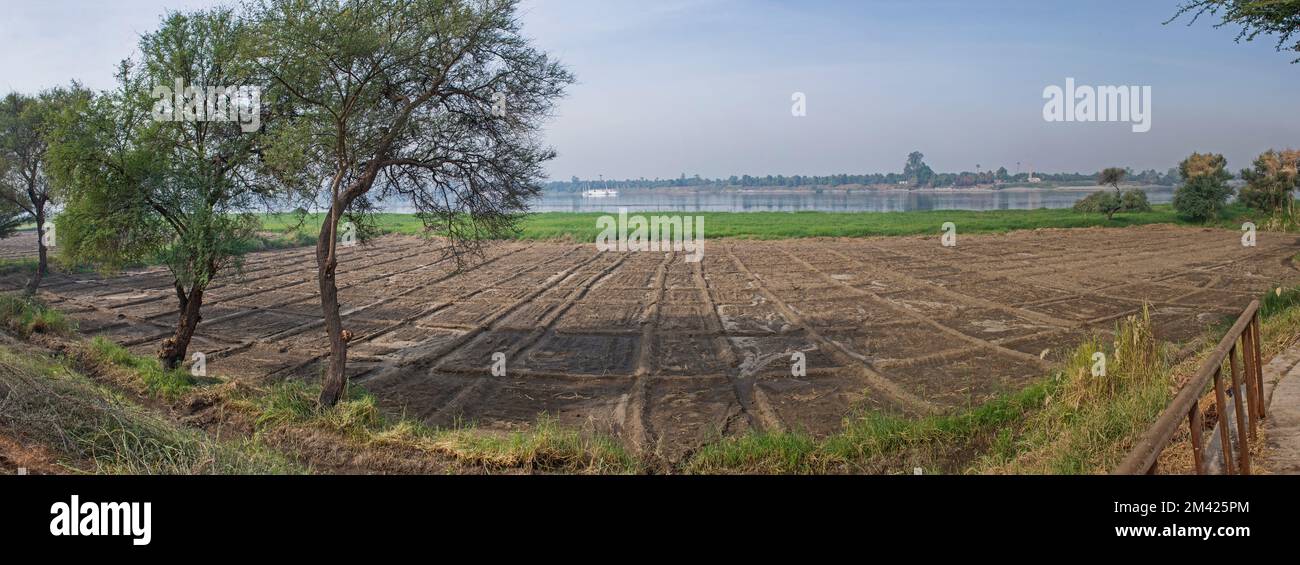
(1282, 427)
(669, 354)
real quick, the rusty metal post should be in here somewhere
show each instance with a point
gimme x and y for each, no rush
(1245, 333)
(1219, 406)
(1252, 390)
(1259, 368)
(1194, 424)
(1243, 443)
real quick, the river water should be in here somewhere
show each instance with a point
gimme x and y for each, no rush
(828, 200)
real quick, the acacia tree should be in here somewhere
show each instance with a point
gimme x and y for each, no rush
(152, 176)
(1271, 184)
(432, 102)
(25, 127)
(1280, 18)
(1110, 203)
(1205, 189)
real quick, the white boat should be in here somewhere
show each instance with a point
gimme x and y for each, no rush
(599, 193)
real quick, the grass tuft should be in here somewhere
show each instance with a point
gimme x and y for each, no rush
(1091, 422)
(26, 316)
(545, 446)
(157, 381)
(871, 441)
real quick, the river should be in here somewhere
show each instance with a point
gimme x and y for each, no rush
(828, 200)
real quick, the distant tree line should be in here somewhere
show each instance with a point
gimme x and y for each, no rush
(915, 174)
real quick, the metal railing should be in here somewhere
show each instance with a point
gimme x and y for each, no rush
(1240, 347)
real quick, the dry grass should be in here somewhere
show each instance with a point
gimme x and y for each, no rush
(95, 428)
(1089, 424)
(106, 410)
(546, 446)
(1279, 330)
(1069, 423)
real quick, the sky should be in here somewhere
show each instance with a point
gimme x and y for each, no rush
(670, 87)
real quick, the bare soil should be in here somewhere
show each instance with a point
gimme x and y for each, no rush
(668, 355)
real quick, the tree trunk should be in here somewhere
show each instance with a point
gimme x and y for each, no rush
(335, 380)
(172, 353)
(42, 263)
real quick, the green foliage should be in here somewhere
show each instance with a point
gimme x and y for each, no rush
(25, 316)
(916, 171)
(11, 215)
(434, 103)
(22, 265)
(1112, 202)
(154, 176)
(96, 154)
(143, 189)
(1134, 200)
(870, 442)
(415, 119)
(156, 380)
(581, 226)
(545, 446)
(24, 126)
(1205, 189)
(1202, 198)
(1271, 183)
(1111, 176)
(1102, 201)
(1280, 18)
(27, 190)
(1090, 422)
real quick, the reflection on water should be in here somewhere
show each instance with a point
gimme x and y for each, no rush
(828, 201)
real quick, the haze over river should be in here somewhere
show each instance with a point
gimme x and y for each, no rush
(827, 200)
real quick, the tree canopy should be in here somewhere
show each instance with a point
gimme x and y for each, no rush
(26, 189)
(159, 174)
(1279, 18)
(1205, 190)
(433, 103)
(1271, 183)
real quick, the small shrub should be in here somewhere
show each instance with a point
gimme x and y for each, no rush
(1201, 198)
(1205, 192)
(1135, 200)
(26, 316)
(1099, 202)
(1111, 202)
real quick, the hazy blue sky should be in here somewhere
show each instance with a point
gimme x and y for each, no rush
(703, 86)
